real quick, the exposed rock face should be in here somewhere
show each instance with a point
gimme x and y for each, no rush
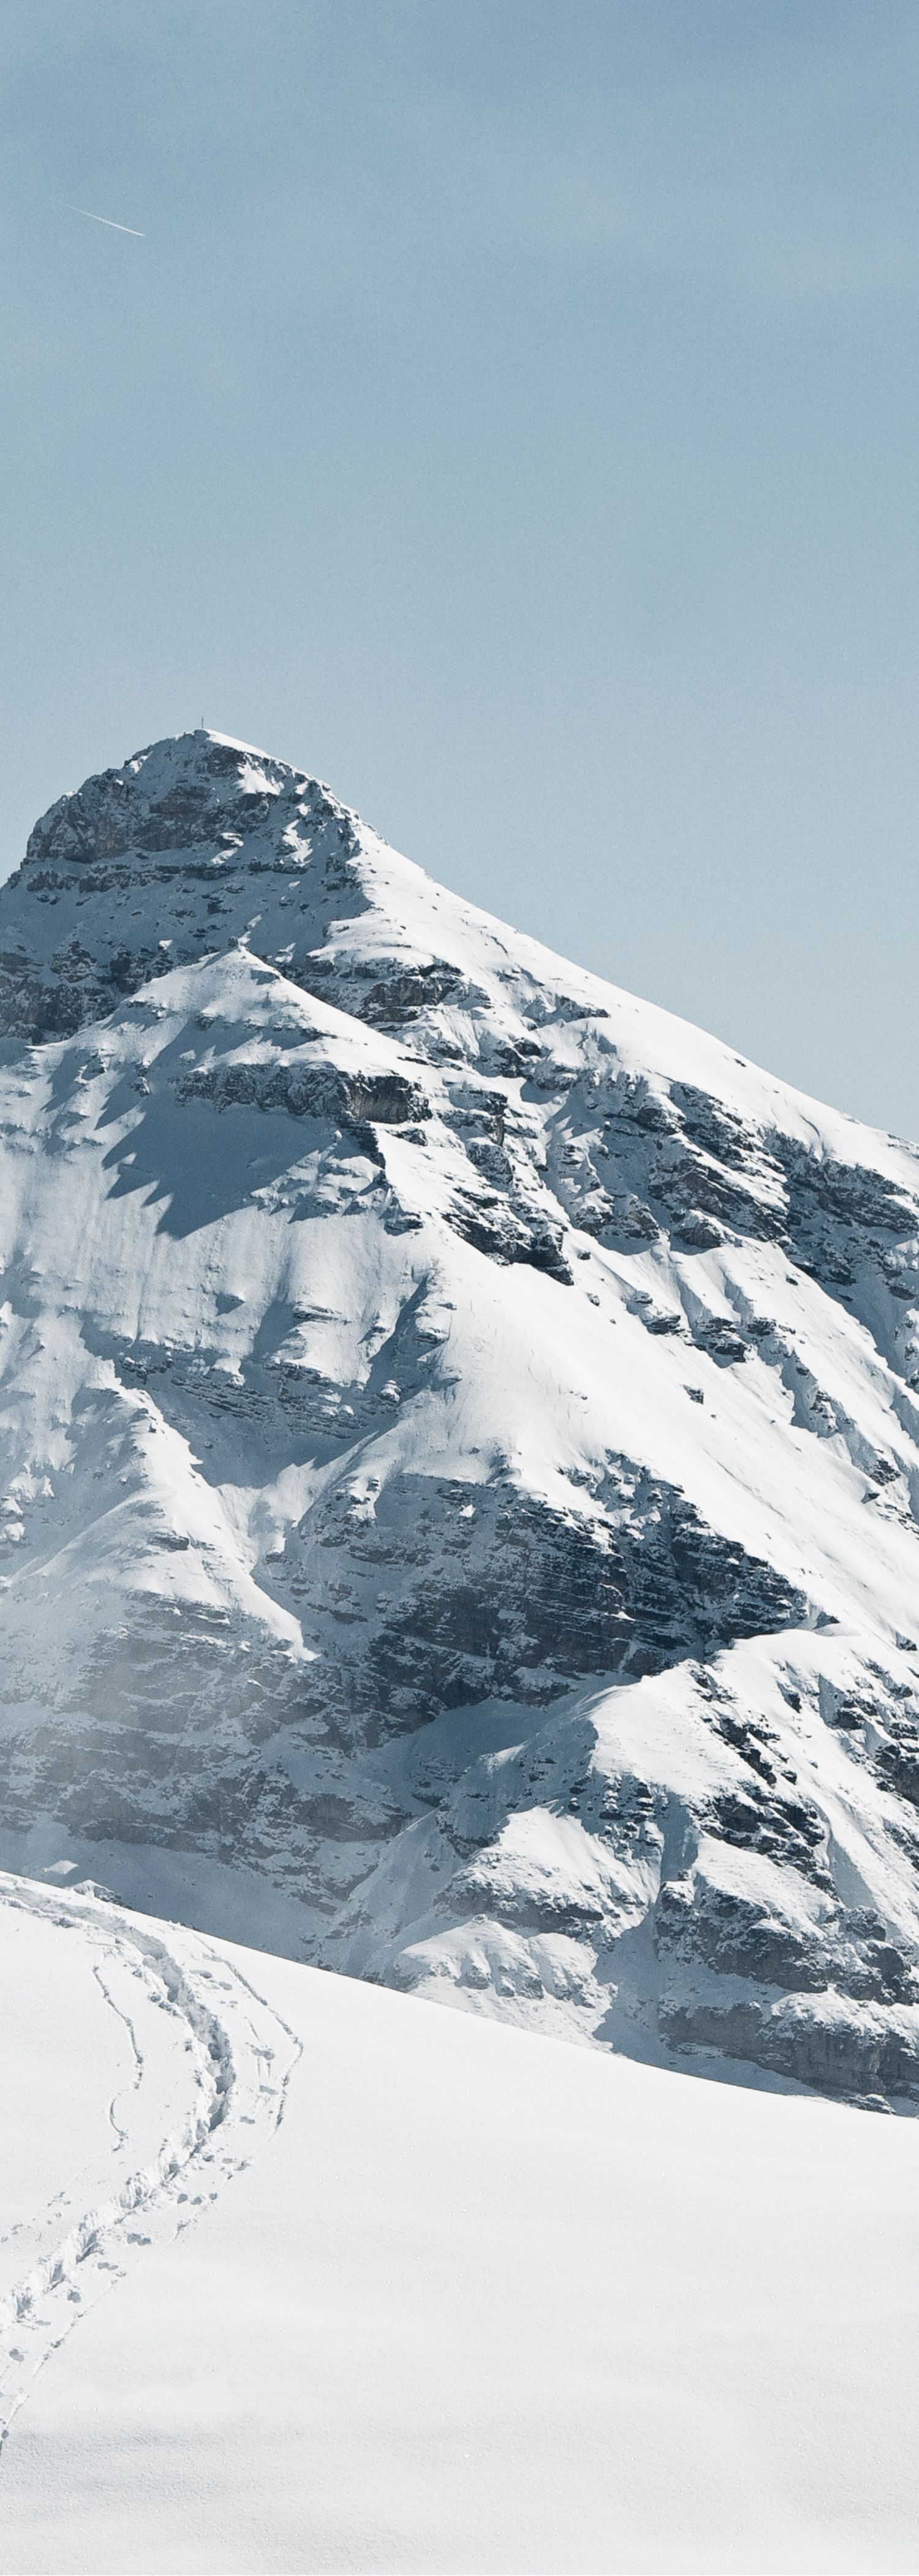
(460, 1447)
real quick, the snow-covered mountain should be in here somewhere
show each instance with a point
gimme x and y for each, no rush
(460, 1447)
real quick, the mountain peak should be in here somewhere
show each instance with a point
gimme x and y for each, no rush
(162, 861)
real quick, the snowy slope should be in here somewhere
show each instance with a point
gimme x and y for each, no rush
(475, 2301)
(202, 2067)
(460, 1448)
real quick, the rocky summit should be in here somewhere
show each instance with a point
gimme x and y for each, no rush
(460, 1449)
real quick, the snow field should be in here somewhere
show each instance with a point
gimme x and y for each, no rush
(465, 2300)
(200, 2066)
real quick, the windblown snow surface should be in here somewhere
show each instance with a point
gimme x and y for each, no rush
(300, 2276)
(460, 1449)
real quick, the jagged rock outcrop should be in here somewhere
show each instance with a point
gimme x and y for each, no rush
(460, 1447)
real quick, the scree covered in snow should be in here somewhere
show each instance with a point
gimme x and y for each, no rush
(460, 1452)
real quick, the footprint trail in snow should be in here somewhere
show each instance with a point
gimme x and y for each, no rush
(209, 2068)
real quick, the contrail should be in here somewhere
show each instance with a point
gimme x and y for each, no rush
(107, 220)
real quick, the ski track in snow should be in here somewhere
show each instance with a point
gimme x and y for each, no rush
(211, 2067)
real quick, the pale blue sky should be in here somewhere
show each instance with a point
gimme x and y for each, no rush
(510, 413)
